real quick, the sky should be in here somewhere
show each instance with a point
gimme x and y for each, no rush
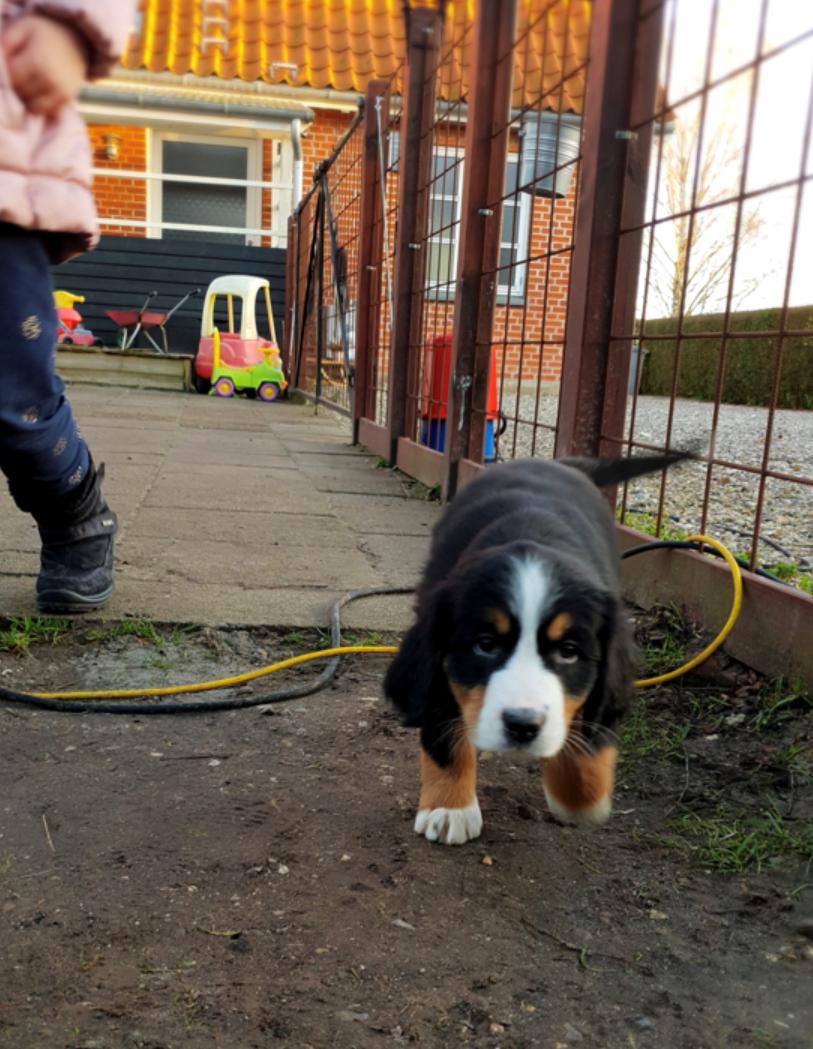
(784, 84)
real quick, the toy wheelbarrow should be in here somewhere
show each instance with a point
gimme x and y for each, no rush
(131, 323)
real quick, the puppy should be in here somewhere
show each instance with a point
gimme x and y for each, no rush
(520, 641)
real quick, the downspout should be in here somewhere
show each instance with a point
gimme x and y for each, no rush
(296, 142)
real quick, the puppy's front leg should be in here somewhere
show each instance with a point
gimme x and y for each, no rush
(448, 811)
(579, 784)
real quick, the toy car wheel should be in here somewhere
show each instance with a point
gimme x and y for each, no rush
(224, 388)
(200, 384)
(268, 391)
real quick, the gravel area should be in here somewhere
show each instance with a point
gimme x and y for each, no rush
(787, 516)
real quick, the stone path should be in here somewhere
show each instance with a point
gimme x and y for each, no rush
(236, 512)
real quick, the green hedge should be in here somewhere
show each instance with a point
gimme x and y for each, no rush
(749, 358)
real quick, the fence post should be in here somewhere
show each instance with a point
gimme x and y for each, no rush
(370, 254)
(424, 31)
(621, 69)
(487, 136)
(291, 318)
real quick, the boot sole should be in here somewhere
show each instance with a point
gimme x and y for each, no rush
(67, 602)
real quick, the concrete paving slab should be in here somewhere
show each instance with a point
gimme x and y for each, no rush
(221, 487)
(384, 515)
(276, 530)
(236, 513)
(252, 566)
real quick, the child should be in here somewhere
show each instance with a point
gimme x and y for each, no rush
(48, 49)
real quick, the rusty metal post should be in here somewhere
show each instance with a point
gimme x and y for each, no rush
(370, 254)
(290, 320)
(486, 148)
(624, 55)
(424, 32)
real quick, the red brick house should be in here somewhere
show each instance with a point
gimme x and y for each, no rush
(211, 128)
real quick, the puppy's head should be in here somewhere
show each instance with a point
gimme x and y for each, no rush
(519, 642)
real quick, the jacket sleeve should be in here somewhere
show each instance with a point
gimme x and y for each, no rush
(104, 24)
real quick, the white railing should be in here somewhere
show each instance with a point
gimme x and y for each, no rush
(281, 205)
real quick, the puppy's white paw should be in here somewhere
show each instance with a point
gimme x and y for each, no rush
(450, 826)
(593, 814)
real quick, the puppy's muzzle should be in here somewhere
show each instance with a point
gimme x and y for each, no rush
(522, 724)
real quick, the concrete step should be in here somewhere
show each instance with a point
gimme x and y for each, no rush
(112, 367)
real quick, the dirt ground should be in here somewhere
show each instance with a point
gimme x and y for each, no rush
(247, 879)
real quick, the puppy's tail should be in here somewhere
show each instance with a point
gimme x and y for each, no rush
(603, 472)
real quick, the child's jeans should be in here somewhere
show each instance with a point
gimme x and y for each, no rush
(41, 451)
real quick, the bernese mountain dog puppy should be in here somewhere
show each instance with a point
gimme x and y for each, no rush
(521, 641)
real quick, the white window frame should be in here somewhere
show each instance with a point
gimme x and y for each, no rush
(511, 295)
(254, 173)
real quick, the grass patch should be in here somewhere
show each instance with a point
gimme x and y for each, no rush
(142, 629)
(19, 633)
(666, 642)
(645, 733)
(791, 572)
(781, 701)
(732, 843)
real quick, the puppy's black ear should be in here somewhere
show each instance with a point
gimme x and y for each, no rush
(612, 691)
(416, 681)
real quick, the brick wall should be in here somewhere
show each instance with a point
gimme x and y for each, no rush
(319, 140)
(121, 197)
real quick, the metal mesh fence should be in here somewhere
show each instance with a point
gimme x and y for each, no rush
(722, 339)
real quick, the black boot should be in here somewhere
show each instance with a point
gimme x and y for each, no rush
(76, 564)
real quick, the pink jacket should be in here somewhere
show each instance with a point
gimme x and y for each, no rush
(45, 167)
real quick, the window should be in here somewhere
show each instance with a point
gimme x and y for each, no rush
(191, 203)
(445, 205)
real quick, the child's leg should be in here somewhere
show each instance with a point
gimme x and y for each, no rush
(46, 461)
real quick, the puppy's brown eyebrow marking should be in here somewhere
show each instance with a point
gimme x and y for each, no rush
(558, 626)
(498, 619)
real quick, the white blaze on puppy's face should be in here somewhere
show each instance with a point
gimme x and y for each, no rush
(524, 682)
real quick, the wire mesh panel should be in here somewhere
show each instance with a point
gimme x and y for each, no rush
(341, 187)
(722, 336)
(324, 325)
(440, 198)
(537, 236)
(387, 116)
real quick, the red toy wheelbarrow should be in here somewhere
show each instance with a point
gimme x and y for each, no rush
(131, 323)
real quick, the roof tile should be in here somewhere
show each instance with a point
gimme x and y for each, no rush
(341, 44)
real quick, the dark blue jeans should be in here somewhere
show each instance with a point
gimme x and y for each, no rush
(42, 452)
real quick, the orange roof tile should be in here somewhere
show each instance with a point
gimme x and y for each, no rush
(342, 44)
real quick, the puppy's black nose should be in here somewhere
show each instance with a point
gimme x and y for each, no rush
(522, 724)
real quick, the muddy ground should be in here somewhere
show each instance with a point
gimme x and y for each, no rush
(245, 879)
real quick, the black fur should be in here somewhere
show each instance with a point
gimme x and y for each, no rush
(556, 508)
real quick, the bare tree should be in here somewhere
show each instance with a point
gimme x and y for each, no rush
(700, 251)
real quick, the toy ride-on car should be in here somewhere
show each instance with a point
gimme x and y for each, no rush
(70, 328)
(265, 380)
(230, 307)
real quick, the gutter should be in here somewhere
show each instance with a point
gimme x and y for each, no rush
(148, 100)
(320, 98)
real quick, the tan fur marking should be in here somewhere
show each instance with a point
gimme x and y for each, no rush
(470, 701)
(499, 620)
(573, 705)
(558, 626)
(453, 787)
(579, 781)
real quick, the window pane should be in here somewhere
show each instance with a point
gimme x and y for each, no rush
(443, 215)
(440, 268)
(198, 205)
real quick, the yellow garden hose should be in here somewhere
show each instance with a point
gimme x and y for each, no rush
(733, 615)
(347, 650)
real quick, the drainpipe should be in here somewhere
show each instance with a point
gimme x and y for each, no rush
(296, 142)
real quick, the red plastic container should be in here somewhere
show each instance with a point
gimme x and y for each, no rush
(437, 360)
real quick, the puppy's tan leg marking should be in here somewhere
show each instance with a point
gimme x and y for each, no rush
(448, 811)
(579, 786)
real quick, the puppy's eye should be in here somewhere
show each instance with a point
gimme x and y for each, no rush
(485, 644)
(567, 652)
